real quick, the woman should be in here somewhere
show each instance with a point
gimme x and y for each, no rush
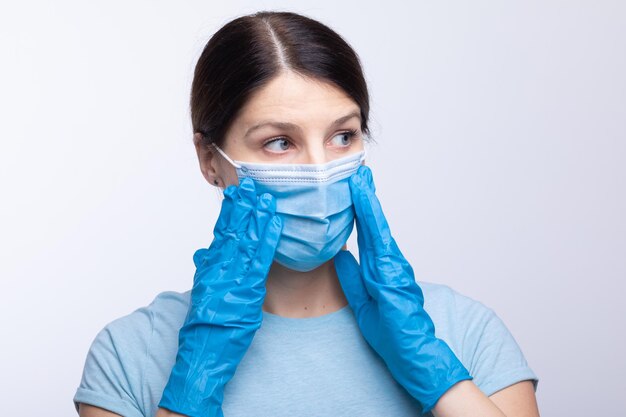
(280, 110)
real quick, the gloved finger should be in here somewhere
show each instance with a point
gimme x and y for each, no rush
(364, 250)
(199, 257)
(265, 211)
(261, 216)
(368, 264)
(262, 261)
(223, 219)
(369, 213)
(244, 205)
(271, 238)
(386, 271)
(382, 260)
(351, 280)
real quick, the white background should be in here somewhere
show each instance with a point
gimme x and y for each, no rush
(501, 131)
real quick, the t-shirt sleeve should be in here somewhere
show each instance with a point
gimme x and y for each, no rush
(489, 350)
(113, 369)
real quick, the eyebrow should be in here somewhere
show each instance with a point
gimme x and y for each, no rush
(294, 127)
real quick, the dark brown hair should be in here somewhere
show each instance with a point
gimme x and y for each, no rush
(249, 51)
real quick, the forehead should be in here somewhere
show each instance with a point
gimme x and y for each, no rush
(291, 97)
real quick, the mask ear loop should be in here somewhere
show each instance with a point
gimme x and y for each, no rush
(363, 156)
(233, 163)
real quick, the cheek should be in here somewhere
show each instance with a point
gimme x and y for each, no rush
(231, 179)
(226, 173)
(230, 176)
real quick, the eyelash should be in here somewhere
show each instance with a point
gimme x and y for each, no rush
(351, 133)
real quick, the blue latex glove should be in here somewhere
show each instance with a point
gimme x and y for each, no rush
(226, 299)
(388, 303)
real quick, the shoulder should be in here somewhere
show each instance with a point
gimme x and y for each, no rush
(127, 336)
(463, 322)
(165, 313)
(126, 348)
(166, 308)
(130, 337)
(448, 304)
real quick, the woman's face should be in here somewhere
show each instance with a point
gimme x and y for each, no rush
(292, 119)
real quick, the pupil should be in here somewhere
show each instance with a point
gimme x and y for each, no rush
(284, 144)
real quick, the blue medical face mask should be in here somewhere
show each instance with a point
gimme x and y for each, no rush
(314, 203)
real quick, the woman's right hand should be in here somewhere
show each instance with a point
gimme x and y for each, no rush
(226, 300)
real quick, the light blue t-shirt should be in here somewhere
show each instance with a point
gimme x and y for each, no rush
(320, 366)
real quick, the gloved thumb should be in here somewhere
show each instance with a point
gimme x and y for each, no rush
(199, 256)
(351, 280)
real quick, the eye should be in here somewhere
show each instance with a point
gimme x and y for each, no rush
(277, 145)
(344, 138)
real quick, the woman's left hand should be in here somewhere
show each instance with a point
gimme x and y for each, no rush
(388, 303)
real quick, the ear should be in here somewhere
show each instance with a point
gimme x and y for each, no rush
(208, 161)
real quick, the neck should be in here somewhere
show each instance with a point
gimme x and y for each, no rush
(297, 294)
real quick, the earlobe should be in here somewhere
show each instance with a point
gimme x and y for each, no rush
(207, 160)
